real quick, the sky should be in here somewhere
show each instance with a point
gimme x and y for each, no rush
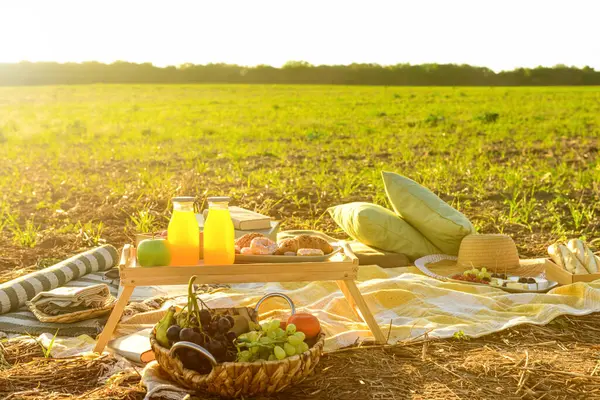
(501, 35)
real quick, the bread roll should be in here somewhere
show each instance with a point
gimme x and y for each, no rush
(264, 242)
(591, 263)
(258, 250)
(304, 242)
(577, 247)
(583, 254)
(572, 264)
(247, 251)
(244, 241)
(310, 252)
(555, 255)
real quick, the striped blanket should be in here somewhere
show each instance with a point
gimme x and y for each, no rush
(82, 270)
(15, 293)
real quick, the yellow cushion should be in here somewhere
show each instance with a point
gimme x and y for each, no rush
(379, 227)
(444, 226)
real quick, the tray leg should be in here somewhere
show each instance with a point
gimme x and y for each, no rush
(360, 307)
(113, 319)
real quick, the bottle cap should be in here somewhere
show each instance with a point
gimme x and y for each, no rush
(219, 199)
(183, 199)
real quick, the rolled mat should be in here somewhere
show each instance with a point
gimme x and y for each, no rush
(14, 294)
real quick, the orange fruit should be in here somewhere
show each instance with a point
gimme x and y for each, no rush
(306, 323)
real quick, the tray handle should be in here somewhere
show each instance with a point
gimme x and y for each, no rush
(275, 294)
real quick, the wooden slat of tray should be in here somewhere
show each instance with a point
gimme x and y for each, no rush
(131, 274)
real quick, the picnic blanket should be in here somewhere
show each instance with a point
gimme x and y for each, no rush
(407, 305)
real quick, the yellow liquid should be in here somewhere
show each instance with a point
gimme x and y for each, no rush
(219, 238)
(184, 238)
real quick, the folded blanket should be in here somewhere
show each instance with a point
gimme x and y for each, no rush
(16, 293)
(66, 300)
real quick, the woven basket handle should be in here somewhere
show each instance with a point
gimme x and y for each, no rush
(193, 346)
(290, 302)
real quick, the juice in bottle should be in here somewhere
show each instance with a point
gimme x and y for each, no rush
(219, 235)
(183, 233)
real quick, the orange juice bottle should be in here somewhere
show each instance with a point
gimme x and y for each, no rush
(183, 233)
(219, 235)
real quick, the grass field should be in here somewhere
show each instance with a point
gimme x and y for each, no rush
(86, 164)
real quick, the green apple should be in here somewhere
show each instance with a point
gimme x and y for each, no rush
(153, 253)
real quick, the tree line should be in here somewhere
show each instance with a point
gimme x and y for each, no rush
(293, 72)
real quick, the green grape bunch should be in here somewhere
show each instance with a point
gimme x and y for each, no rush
(269, 342)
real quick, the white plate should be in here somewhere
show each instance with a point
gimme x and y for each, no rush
(422, 262)
(541, 288)
(244, 258)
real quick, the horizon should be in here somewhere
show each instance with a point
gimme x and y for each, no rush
(387, 33)
(293, 61)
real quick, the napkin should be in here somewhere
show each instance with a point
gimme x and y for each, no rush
(65, 300)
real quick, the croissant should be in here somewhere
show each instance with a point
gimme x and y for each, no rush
(304, 242)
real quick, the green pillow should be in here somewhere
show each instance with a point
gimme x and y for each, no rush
(444, 226)
(379, 227)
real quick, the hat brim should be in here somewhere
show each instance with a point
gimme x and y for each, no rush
(443, 266)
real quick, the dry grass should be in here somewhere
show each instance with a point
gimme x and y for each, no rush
(18, 352)
(77, 377)
(557, 361)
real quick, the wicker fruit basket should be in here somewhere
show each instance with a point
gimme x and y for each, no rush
(237, 379)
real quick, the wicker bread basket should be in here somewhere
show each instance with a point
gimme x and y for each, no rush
(237, 379)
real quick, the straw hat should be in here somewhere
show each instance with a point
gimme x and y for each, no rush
(494, 252)
(497, 253)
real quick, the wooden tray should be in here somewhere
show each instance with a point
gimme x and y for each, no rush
(564, 277)
(241, 258)
(342, 268)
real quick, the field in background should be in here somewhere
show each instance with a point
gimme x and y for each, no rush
(81, 165)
